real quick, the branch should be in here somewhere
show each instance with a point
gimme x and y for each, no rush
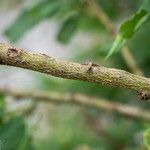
(59, 68)
(98, 12)
(81, 100)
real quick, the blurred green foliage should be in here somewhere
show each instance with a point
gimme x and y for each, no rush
(12, 135)
(70, 132)
(2, 108)
(68, 28)
(70, 128)
(147, 138)
(30, 17)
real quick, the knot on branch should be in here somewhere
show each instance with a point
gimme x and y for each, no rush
(90, 66)
(144, 95)
(12, 52)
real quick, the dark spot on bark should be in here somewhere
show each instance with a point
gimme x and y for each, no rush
(12, 52)
(90, 66)
(119, 76)
(144, 95)
(46, 56)
(24, 63)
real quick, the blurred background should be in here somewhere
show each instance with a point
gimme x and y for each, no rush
(70, 30)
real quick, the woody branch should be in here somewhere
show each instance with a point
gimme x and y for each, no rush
(64, 69)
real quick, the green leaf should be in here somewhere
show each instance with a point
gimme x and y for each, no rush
(117, 45)
(31, 17)
(147, 138)
(68, 28)
(11, 134)
(129, 27)
(127, 30)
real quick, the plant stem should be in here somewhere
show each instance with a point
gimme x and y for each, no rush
(64, 69)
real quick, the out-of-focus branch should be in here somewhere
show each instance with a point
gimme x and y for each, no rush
(25, 109)
(60, 68)
(98, 12)
(83, 100)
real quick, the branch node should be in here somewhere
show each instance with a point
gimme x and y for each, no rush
(90, 66)
(144, 95)
(13, 52)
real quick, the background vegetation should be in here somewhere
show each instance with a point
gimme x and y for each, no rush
(68, 127)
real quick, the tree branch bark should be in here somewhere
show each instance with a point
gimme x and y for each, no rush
(81, 100)
(64, 69)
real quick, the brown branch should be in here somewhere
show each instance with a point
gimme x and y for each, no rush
(98, 12)
(59, 68)
(83, 100)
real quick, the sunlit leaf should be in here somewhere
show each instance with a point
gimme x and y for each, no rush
(127, 30)
(129, 27)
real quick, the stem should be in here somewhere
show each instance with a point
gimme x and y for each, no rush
(81, 100)
(64, 69)
(103, 18)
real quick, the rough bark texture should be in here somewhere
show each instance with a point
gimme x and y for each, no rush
(59, 68)
(83, 100)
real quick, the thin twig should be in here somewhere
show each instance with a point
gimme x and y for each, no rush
(103, 18)
(81, 100)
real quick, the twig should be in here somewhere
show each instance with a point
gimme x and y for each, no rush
(103, 18)
(83, 100)
(69, 70)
